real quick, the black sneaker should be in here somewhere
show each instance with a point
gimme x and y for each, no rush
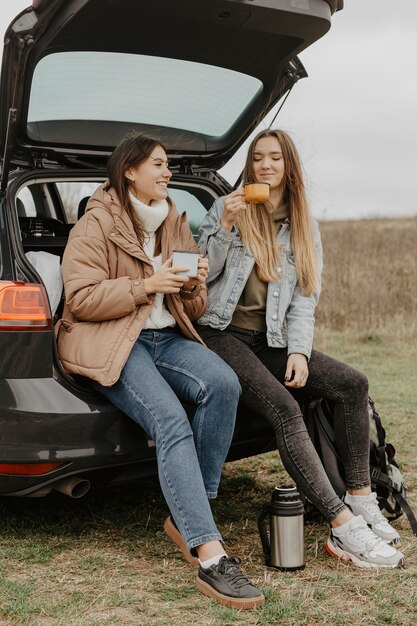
(227, 583)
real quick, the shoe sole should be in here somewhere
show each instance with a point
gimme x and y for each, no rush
(346, 557)
(233, 603)
(178, 539)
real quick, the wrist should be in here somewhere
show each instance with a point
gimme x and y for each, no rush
(190, 294)
(226, 225)
(297, 354)
(147, 283)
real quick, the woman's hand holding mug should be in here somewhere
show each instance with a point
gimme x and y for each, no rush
(165, 279)
(202, 273)
(233, 204)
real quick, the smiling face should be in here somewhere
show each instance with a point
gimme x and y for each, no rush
(149, 180)
(268, 162)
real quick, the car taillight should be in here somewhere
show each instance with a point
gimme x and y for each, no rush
(28, 469)
(24, 306)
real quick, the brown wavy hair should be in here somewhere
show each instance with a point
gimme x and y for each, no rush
(130, 152)
(256, 226)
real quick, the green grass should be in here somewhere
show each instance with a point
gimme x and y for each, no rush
(104, 560)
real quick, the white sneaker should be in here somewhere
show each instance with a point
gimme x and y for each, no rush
(371, 513)
(360, 545)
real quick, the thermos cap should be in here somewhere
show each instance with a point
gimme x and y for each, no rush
(285, 494)
(286, 501)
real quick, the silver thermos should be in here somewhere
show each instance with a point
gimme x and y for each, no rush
(283, 542)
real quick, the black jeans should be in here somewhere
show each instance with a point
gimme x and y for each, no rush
(261, 372)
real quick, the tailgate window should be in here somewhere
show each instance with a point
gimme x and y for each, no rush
(143, 89)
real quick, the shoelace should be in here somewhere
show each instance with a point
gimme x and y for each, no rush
(372, 507)
(366, 536)
(229, 568)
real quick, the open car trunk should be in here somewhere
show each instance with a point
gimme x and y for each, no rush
(78, 74)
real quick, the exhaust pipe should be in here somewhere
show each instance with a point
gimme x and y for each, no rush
(74, 486)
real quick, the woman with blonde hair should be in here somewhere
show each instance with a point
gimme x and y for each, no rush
(263, 287)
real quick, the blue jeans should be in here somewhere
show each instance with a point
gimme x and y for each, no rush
(163, 368)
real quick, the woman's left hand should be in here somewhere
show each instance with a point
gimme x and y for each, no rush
(202, 273)
(296, 373)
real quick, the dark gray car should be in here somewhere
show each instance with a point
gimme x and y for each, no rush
(76, 76)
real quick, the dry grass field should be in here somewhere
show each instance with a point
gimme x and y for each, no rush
(370, 275)
(105, 561)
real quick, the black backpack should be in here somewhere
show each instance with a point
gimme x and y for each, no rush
(386, 478)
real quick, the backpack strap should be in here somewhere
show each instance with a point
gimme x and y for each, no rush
(381, 448)
(379, 478)
(407, 510)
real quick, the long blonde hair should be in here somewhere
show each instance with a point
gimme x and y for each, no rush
(256, 226)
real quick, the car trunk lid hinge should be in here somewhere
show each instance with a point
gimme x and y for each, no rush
(38, 161)
(187, 167)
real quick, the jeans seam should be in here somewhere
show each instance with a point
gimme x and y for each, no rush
(203, 389)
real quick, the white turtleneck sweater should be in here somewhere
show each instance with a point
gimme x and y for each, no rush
(152, 217)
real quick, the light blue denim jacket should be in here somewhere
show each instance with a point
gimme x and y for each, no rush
(289, 314)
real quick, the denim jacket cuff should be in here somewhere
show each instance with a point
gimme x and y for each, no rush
(223, 235)
(299, 350)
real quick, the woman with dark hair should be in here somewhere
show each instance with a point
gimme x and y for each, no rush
(127, 325)
(263, 287)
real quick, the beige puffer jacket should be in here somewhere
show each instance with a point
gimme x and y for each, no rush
(106, 306)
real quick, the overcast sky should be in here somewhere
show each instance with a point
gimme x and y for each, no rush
(354, 118)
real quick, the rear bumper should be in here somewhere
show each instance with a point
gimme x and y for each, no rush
(46, 421)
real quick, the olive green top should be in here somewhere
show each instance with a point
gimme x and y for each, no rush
(250, 312)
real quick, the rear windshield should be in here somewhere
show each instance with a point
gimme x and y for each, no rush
(139, 89)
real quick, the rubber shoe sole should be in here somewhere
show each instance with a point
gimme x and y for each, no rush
(174, 534)
(346, 557)
(233, 603)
